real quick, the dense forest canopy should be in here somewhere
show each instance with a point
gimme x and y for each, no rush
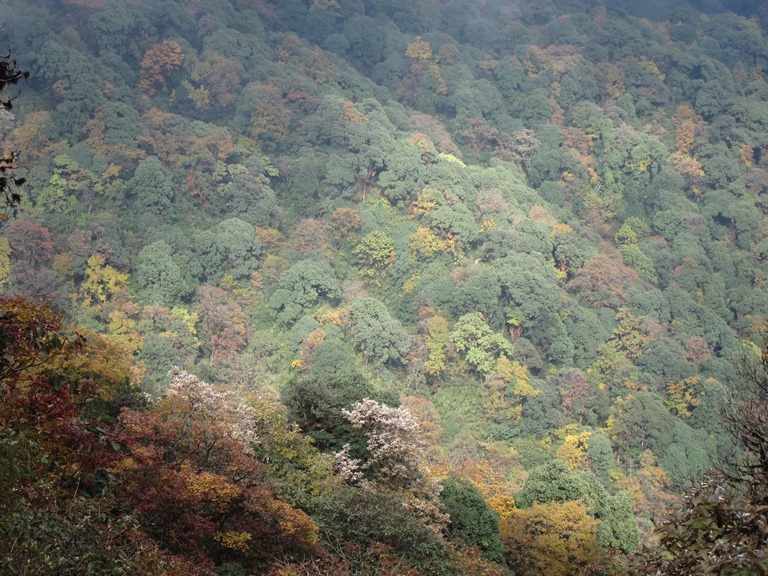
(383, 287)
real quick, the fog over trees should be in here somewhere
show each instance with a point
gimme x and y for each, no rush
(386, 287)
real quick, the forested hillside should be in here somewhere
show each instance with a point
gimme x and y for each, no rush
(381, 287)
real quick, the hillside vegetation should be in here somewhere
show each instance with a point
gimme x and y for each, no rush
(383, 287)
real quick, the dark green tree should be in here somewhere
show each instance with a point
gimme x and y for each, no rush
(232, 247)
(381, 338)
(551, 482)
(332, 383)
(158, 277)
(157, 355)
(152, 186)
(471, 519)
(303, 287)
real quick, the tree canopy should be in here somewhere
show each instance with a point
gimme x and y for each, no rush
(523, 245)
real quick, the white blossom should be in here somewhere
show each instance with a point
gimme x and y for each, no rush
(396, 457)
(347, 467)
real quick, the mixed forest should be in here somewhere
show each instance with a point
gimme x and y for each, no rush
(383, 287)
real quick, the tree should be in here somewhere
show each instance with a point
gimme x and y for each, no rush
(152, 186)
(158, 62)
(402, 171)
(231, 247)
(375, 254)
(72, 183)
(618, 528)
(683, 397)
(245, 191)
(345, 223)
(156, 357)
(602, 280)
(552, 482)
(482, 346)
(9, 196)
(557, 482)
(218, 76)
(381, 338)
(32, 247)
(529, 290)
(271, 117)
(630, 335)
(315, 398)
(556, 539)
(480, 293)
(720, 527)
(471, 519)
(438, 338)
(223, 320)
(716, 531)
(394, 459)
(31, 243)
(62, 388)
(640, 421)
(188, 476)
(576, 393)
(506, 388)
(302, 287)
(159, 278)
(374, 532)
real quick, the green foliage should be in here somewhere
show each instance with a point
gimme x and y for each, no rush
(552, 482)
(633, 256)
(471, 519)
(480, 293)
(480, 345)
(157, 355)
(245, 191)
(403, 170)
(375, 254)
(380, 337)
(550, 184)
(600, 454)
(366, 520)
(230, 247)
(158, 277)
(529, 289)
(67, 185)
(303, 287)
(316, 399)
(720, 525)
(618, 529)
(556, 482)
(152, 186)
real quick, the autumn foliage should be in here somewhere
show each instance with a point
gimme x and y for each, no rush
(542, 226)
(159, 61)
(193, 483)
(182, 472)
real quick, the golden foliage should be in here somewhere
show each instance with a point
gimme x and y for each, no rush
(573, 450)
(160, 60)
(102, 281)
(425, 244)
(557, 539)
(239, 541)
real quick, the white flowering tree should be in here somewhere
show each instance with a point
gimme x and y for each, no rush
(260, 423)
(395, 459)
